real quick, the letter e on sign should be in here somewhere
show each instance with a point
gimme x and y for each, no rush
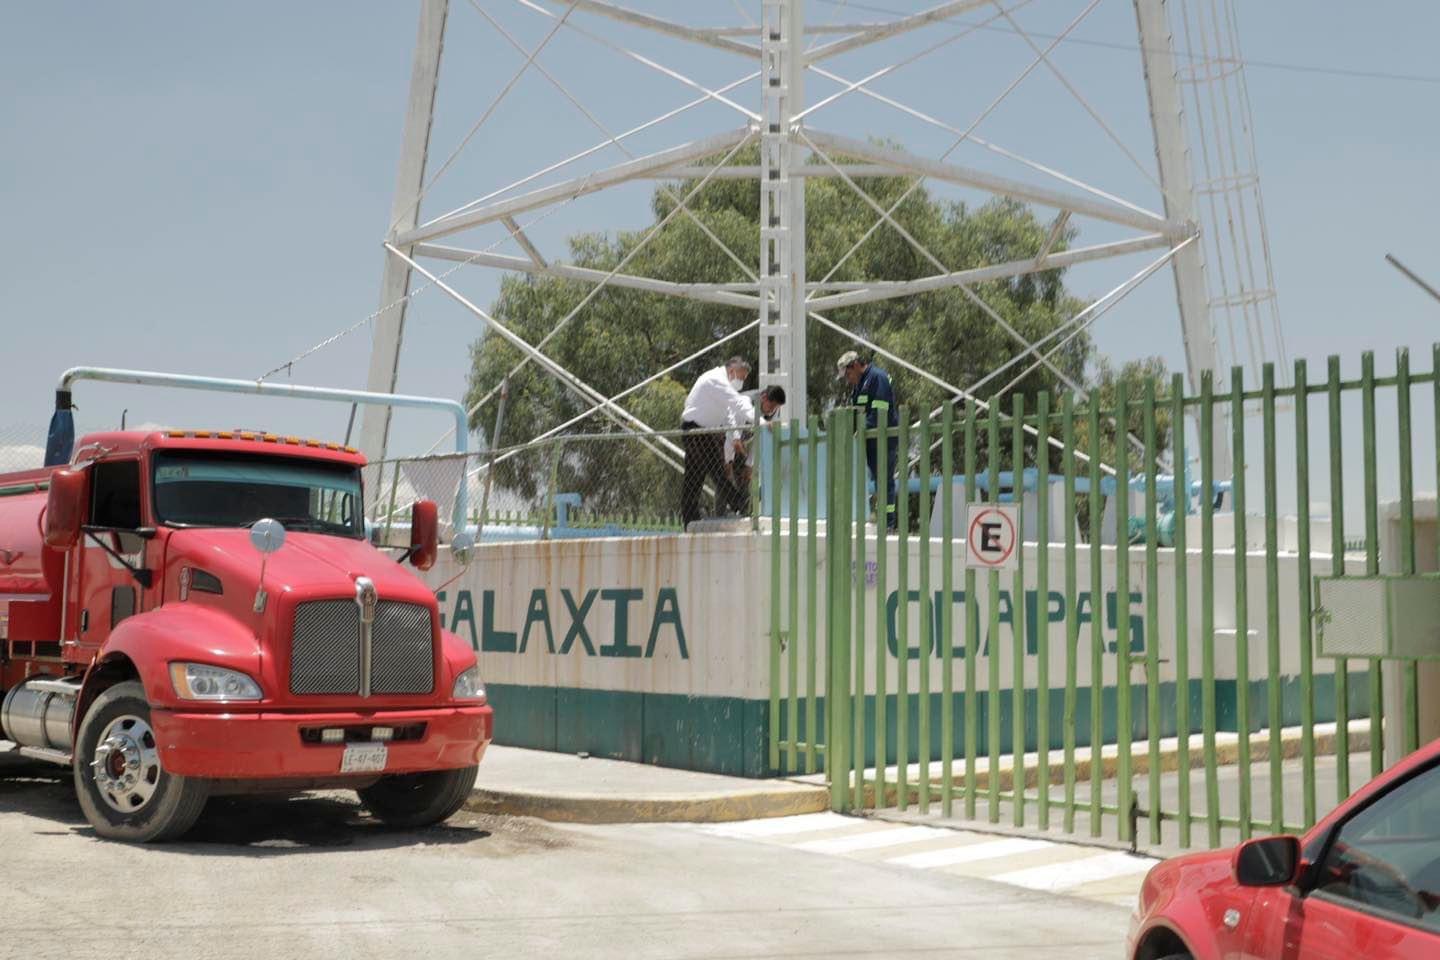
(992, 536)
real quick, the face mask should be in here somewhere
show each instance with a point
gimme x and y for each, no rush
(737, 384)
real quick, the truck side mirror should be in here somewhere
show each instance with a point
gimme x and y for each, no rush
(462, 548)
(65, 507)
(424, 534)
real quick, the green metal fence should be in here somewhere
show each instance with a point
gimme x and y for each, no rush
(1154, 673)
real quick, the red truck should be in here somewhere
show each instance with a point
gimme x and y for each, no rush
(185, 614)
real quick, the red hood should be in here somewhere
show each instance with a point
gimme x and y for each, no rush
(310, 564)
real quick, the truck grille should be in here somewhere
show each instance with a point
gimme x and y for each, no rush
(400, 657)
(325, 652)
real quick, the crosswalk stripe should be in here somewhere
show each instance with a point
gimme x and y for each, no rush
(873, 840)
(970, 853)
(1056, 877)
(1065, 869)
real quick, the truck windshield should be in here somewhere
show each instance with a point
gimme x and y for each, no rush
(202, 489)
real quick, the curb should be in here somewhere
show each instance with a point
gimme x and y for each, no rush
(680, 808)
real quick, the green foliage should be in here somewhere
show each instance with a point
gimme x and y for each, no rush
(1106, 384)
(622, 336)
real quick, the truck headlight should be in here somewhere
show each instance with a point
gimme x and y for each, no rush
(469, 686)
(198, 681)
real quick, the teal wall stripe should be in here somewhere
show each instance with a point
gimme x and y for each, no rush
(727, 735)
(712, 734)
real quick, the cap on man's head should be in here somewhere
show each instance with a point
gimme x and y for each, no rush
(846, 358)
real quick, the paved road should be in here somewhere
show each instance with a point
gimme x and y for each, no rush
(313, 877)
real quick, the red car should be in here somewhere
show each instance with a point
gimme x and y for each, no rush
(1364, 882)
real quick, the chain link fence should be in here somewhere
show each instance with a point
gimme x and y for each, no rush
(22, 447)
(574, 485)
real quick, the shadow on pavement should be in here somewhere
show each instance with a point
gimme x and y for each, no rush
(259, 825)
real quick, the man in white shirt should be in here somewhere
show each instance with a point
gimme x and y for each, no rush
(715, 413)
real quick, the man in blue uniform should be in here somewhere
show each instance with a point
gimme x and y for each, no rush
(870, 389)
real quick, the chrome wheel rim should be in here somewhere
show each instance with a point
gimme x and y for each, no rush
(126, 764)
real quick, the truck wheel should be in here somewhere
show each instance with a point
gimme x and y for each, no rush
(419, 799)
(123, 790)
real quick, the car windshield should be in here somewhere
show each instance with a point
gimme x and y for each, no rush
(202, 489)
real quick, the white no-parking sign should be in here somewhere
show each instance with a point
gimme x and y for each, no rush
(992, 536)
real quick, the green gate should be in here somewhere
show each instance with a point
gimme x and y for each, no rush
(1137, 665)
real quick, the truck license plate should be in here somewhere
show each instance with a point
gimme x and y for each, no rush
(364, 757)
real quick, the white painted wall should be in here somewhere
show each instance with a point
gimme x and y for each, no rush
(720, 585)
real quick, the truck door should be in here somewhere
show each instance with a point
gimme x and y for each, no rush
(108, 593)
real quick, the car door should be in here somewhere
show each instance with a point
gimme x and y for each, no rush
(1375, 892)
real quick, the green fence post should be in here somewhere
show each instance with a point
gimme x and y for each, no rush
(1152, 610)
(1307, 662)
(1124, 721)
(927, 616)
(992, 645)
(777, 639)
(947, 602)
(1242, 596)
(812, 511)
(1097, 619)
(1182, 604)
(1072, 597)
(792, 593)
(1207, 604)
(830, 642)
(1337, 568)
(902, 614)
(882, 596)
(1410, 729)
(847, 580)
(1372, 551)
(1042, 605)
(1435, 402)
(1017, 616)
(972, 618)
(858, 632)
(1272, 601)
(837, 654)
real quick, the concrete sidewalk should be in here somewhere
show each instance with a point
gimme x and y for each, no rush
(570, 788)
(576, 789)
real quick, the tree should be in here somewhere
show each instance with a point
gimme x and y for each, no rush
(1105, 390)
(1105, 385)
(623, 336)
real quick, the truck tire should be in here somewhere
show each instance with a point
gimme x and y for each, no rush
(123, 791)
(419, 799)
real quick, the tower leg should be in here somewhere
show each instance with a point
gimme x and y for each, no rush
(782, 206)
(1168, 122)
(395, 282)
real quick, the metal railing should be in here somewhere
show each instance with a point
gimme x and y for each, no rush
(575, 485)
(1176, 650)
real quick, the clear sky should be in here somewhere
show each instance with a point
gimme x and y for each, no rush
(204, 187)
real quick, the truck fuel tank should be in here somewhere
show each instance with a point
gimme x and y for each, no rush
(27, 566)
(37, 713)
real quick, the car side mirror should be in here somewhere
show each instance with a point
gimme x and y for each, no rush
(65, 507)
(424, 534)
(1267, 862)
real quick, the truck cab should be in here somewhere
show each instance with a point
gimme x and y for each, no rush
(192, 613)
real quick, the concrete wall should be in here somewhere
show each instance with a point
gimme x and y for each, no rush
(641, 648)
(656, 648)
